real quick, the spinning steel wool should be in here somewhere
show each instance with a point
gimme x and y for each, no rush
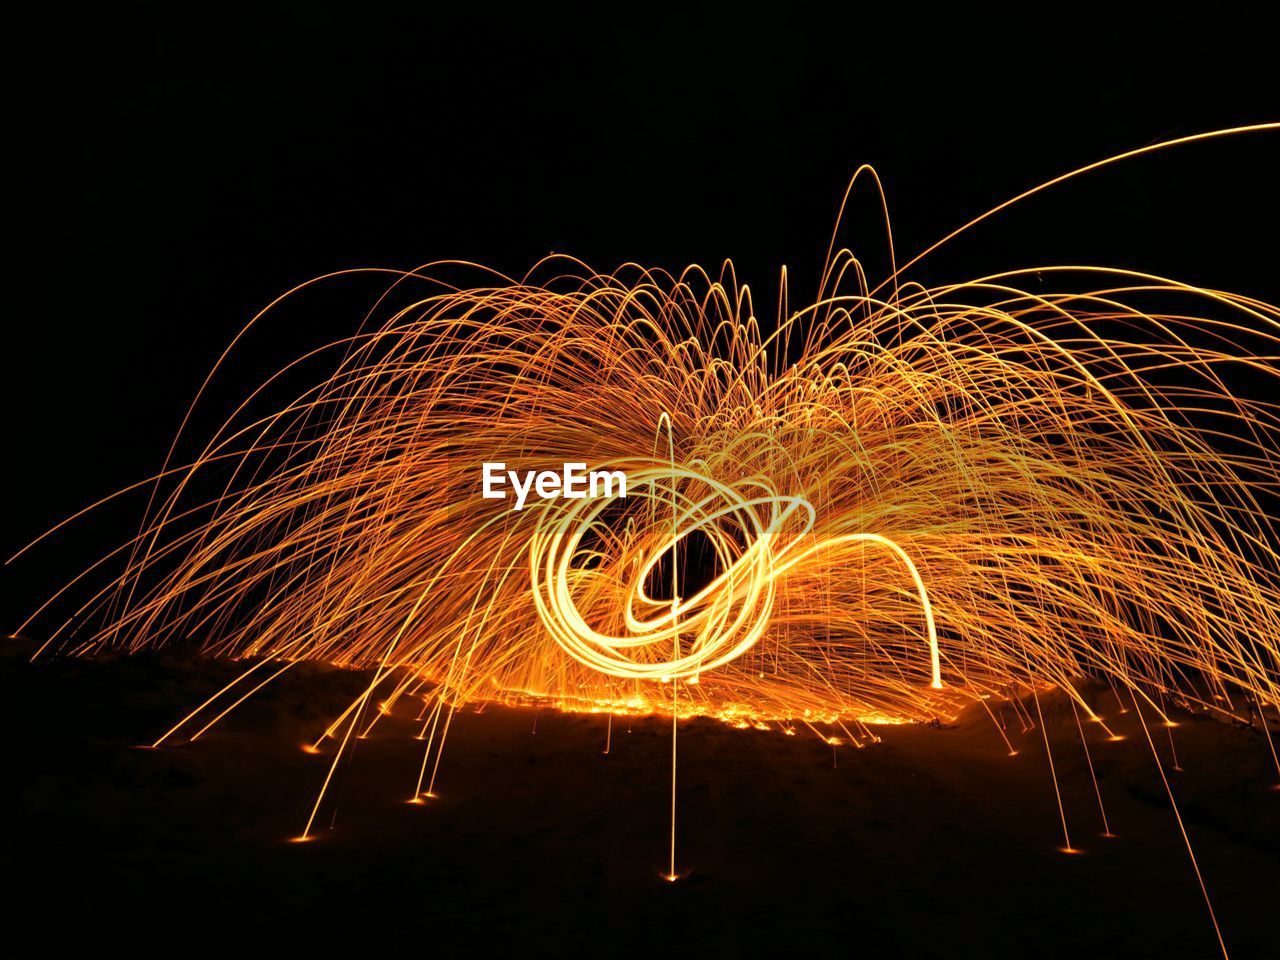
(899, 501)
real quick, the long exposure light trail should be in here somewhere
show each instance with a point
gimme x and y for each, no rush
(906, 499)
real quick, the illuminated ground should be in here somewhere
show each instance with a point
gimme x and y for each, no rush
(933, 843)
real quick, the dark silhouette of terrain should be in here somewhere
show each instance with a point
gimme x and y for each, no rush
(933, 843)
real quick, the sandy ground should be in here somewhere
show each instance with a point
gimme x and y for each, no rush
(933, 843)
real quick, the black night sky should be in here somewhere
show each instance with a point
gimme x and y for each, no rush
(181, 169)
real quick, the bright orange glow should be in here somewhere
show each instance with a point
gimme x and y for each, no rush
(911, 503)
(909, 499)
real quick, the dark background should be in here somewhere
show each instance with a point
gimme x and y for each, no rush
(181, 167)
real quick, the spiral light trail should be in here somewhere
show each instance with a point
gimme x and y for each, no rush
(907, 500)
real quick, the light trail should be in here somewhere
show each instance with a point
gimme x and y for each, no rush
(913, 499)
